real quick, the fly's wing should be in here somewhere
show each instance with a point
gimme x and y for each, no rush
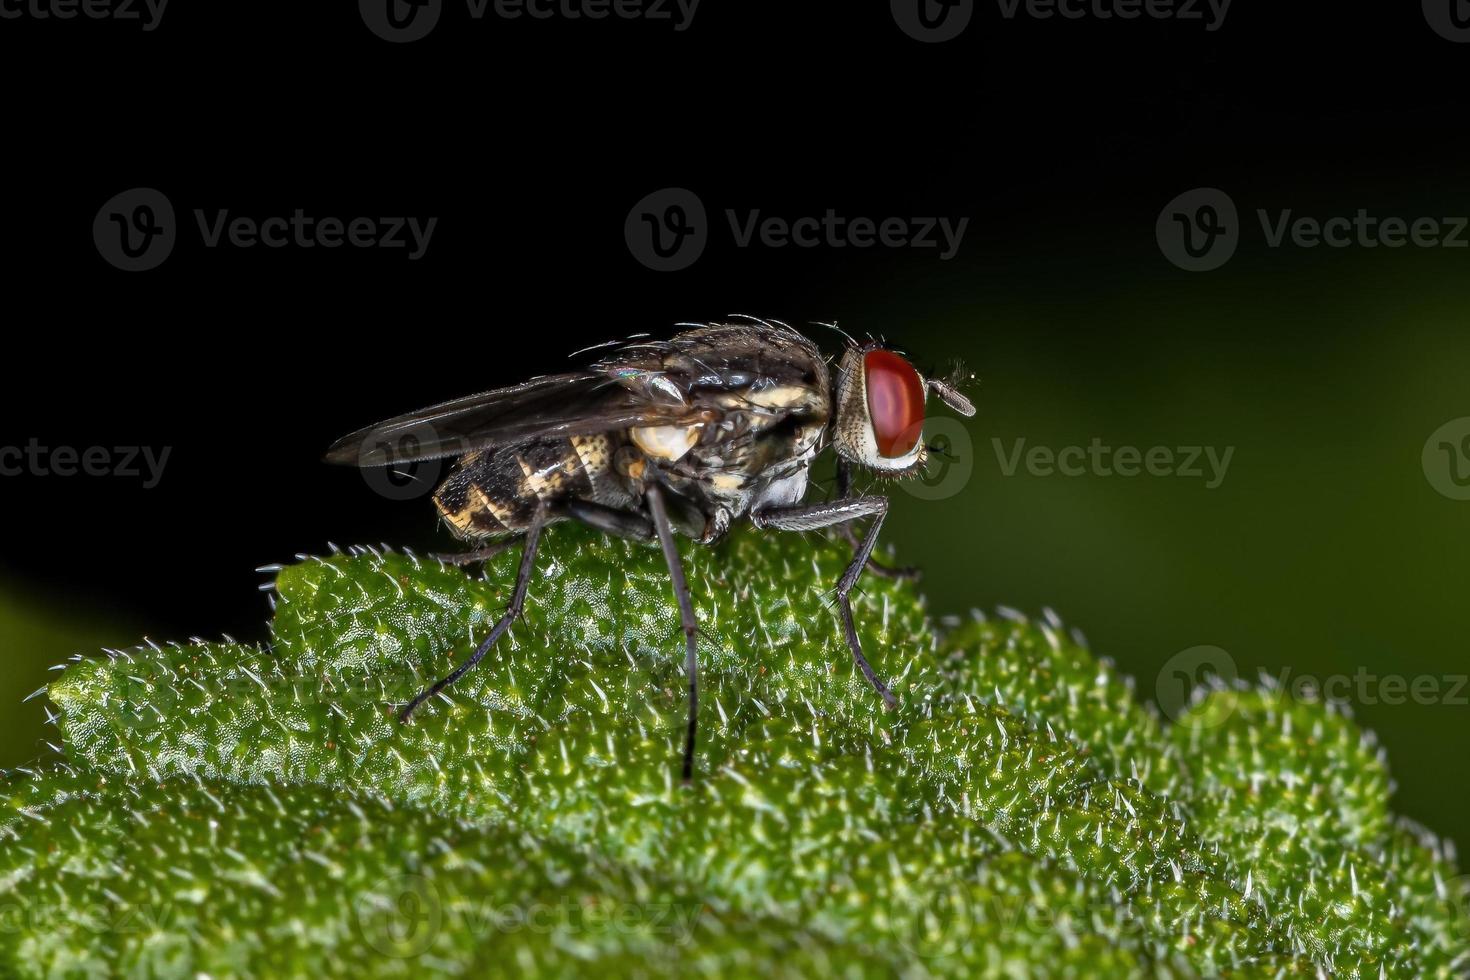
(560, 405)
(658, 382)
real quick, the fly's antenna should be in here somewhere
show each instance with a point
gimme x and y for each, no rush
(947, 389)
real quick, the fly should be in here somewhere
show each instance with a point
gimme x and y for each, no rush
(718, 424)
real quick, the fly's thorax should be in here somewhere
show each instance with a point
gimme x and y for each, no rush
(767, 467)
(785, 492)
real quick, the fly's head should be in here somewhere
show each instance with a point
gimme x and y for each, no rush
(879, 422)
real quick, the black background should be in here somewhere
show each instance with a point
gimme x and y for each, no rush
(530, 141)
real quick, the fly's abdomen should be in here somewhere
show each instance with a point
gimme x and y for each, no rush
(495, 491)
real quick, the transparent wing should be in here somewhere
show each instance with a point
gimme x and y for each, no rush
(640, 382)
(559, 405)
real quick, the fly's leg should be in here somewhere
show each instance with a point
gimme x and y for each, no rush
(831, 514)
(517, 603)
(903, 573)
(665, 532)
(609, 520)
(478, 555)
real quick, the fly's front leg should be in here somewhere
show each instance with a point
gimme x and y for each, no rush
(839, 513)
(659, 511)
(904, 573)
(517, 603)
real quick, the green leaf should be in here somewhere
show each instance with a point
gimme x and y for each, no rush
(231, 809)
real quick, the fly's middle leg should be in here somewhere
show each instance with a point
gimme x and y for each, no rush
(658, 510)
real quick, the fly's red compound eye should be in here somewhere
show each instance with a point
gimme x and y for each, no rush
(895, 402)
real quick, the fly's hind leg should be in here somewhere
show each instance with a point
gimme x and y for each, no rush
(478, 555)
(610, 520)
(842, 512)
(512, 612)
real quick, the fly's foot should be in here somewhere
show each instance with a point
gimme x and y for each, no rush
(901, 573)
